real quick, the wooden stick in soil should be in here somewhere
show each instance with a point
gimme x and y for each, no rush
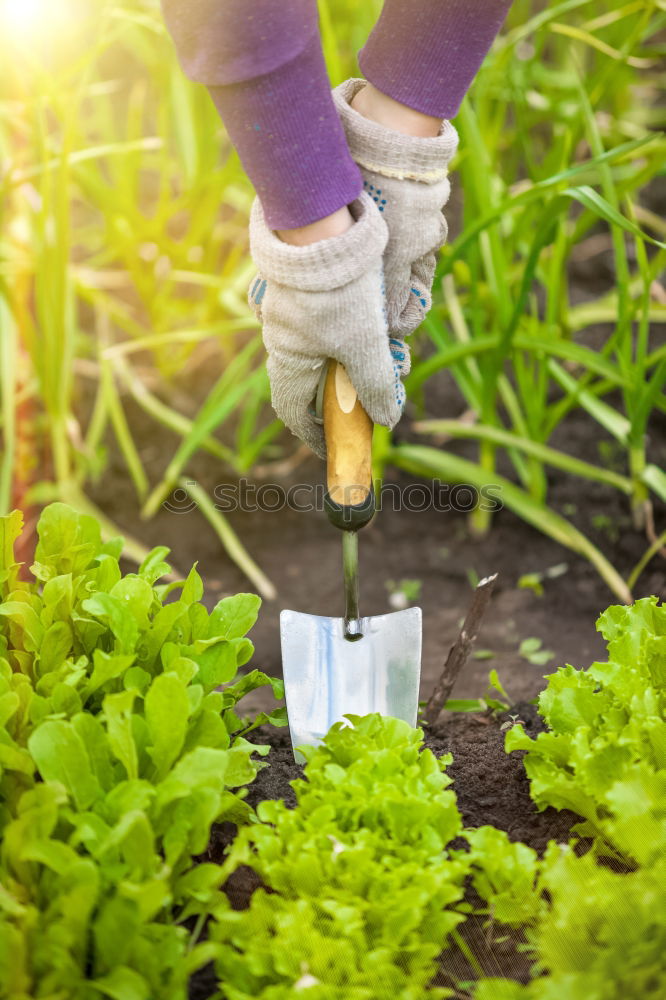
(460, 650)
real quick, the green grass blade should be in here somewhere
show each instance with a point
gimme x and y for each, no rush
(424, 461)
(122, 431)
(230, 540)
(536, 190)
(647, 556)
(225, 397)
(591, 199)
(549, 456)
(610, 419)
(168, 417)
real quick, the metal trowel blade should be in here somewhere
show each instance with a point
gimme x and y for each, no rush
(327, 676)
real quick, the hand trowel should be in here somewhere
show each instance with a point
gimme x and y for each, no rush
(352, 664)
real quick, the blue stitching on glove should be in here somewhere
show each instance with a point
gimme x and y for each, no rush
(397, 349)
(417, 292)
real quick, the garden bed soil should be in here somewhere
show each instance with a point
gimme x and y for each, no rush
(491, 788)
(300, 552)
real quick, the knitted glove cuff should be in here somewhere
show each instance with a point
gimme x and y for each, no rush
(390, 153)
(326, 264)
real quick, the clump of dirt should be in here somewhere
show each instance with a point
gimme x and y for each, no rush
(491, 785)
(274, 782)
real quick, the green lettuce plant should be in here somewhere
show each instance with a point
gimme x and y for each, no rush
(361, 890)
(602, 936)
(120, 746)
(604, 755)
(597, 933)
(122, 742)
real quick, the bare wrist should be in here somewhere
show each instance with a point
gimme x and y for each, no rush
(323, 229)
(380, 108)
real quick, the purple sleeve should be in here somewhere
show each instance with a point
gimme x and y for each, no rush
(264, 67)
(290, 140)
(228, 41)
(263, 64)
(425, 53)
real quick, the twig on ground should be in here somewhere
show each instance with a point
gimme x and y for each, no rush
(460, 650)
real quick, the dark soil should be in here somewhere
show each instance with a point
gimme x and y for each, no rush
(300, 553)
(491, 787)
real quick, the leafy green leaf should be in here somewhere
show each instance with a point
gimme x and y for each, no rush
(24, 618)
(531, 650)
(153, 566)
(192, 589)
(68, 541)
(10, 530)
(218, 663)
(137, 596)
(107, 666)
(112, 611)
(60, 755)
(92, 734)
(167, 710)
(117, 712)
(122, 983)
(233, 617)
(55, 646)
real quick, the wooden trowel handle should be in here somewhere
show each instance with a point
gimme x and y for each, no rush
(350, 501)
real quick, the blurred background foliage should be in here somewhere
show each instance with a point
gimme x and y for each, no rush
(124, 265)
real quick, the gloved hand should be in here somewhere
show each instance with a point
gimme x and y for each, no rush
(326, 300)
(407, 179)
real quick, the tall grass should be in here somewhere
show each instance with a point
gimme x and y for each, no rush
(123, 259)
(124, 264)
(556, 150)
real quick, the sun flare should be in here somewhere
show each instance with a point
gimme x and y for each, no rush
(21, 15)
(33, 19)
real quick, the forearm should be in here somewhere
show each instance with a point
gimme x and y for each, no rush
(425, 53)
(290, 140)
(221, 42)
(263, 65)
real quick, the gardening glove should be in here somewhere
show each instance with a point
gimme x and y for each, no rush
(407, 178)
(326, 300)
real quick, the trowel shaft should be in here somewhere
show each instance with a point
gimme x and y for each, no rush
(350, 572)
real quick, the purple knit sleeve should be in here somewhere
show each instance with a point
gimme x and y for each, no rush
(228, 41)
(290, 140)
(425, 53)
(263, 64)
